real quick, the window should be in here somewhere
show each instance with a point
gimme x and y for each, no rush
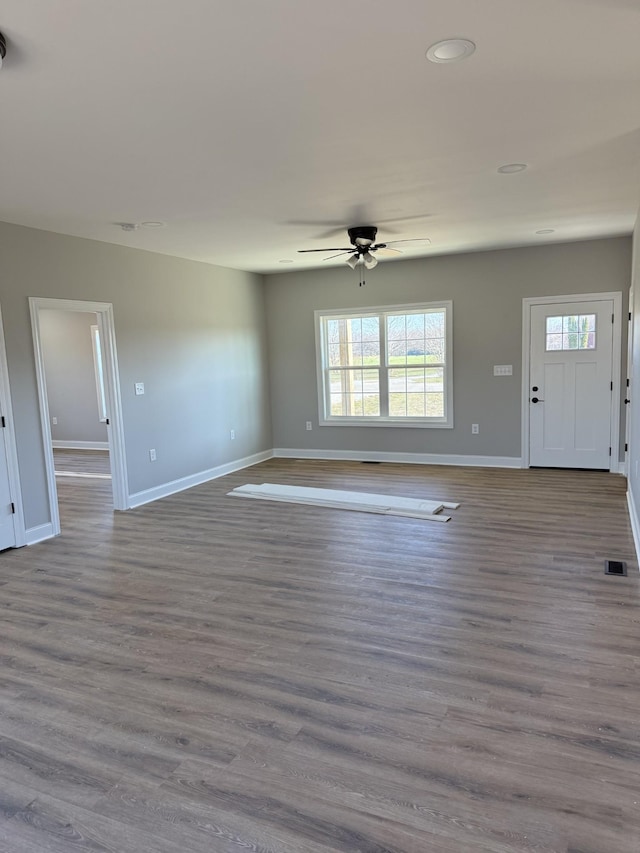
(572, 331)
(386, 366)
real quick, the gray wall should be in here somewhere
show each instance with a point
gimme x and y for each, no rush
(194, 333)
(487, 289)
(67, 349)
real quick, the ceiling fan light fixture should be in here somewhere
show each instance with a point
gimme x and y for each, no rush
(369, 260)
(352, 260)
(3, 48)
(450, 50)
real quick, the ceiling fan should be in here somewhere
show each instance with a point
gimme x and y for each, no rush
(362, 238)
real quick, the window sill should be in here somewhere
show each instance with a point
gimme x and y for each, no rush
(386, 422)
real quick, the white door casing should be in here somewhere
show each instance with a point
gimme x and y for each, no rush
(7, 506)
(572, 419)
(115, 426)
(12, 529)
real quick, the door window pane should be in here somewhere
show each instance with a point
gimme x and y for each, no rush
(571, 332)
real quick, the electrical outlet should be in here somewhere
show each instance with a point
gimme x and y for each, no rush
(475, 429)
(139, 386)
(309, 425)
(152, 454)
(232, 434)
(54, 421)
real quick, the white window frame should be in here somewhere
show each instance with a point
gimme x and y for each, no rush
(381, 311)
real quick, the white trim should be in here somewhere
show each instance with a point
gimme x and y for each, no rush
(635, 522)
(410, 458)
(166, 489)
(79, 445)
(38, 534)
(115, 430)
(13, 471)
(385, 420)
(527, 303)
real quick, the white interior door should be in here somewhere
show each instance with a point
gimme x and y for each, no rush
(570, 384)
(7, 527)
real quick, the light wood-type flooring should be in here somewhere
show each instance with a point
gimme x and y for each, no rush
(208, 674)
(81, 461)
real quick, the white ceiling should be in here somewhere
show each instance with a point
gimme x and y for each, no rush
(252, 127)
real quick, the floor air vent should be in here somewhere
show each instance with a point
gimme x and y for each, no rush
(615, 567)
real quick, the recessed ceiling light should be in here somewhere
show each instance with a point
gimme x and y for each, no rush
(153, 224)
(285, 261)
(450, 50)
(546, 231)
(512, 168)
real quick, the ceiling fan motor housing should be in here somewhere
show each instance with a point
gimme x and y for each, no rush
(362, 236)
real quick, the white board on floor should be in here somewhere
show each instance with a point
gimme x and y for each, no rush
(342, 499)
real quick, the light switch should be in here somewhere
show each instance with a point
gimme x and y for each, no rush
(139, 388)
(503, 370)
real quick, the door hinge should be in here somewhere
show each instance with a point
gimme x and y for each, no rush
(13, 509)
(626, 447)
(609, 451)
(629, 316)
(612, 318)
(4, 423)
(627, 382)
(107, 421)
(612, 384)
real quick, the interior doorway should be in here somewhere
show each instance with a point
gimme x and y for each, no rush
(80, 408)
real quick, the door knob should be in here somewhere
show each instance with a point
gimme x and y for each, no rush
(536, 400)
(627, 401)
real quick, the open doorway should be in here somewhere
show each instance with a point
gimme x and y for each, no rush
(78, 387)
(71, 351)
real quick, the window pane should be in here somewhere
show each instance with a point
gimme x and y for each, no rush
(397, 405)
(396, 328)
(435, 405)
(416, 392)
(398, 381)
(398, 352)
(578, 332)
(354, 392)
(353, 342)
(435, 324)
(588, 323)
(434, 348)
(415, 326)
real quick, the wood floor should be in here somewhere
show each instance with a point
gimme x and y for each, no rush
(81, 461)
(208, 675)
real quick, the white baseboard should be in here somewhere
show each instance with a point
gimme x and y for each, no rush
(635, 522)
(166, 489)
(411, 458)
(39, 533)
(80, 445)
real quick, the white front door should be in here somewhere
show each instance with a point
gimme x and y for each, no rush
(7, 528)
(570, 384)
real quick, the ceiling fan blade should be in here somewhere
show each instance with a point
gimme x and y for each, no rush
(331, 249)
(387, 250)
(424, 240)
(339, 255)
